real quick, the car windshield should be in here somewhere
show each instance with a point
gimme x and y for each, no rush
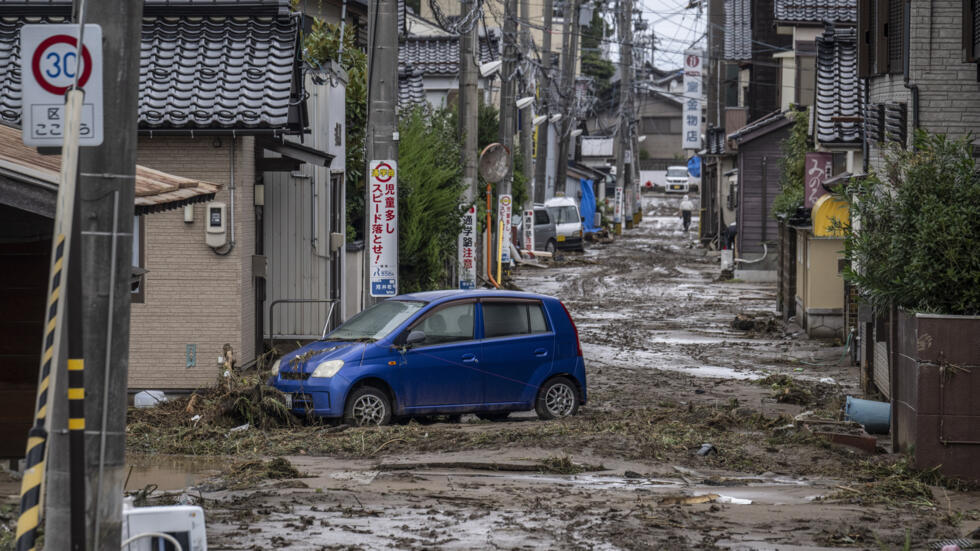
(677, 173)
(564, 215)
(376, 322)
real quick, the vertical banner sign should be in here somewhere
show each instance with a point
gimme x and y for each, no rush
(691, 115)
(818, 168)
(504, 215)
(528, 225)
(383, 239)
(467, 251)
(48, 60)
(618, 206)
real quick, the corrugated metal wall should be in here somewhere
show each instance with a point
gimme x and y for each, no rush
(302, 208)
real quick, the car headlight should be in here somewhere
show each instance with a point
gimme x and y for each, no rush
(327, 369)
(275, 367)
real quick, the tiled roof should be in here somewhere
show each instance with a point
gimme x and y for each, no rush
(61, 8)
(775, 116)
(839, 90)
(738, 29)
(435, 55)
(196, 72)
(154, 190)
(816, 11)
(410, 90)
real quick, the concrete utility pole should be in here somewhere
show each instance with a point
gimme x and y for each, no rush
(469, 105)
(106, 192)
(541, 166)
(625, 36)
(382, 98)
(507, 86)
(527, 157)
(568, 56)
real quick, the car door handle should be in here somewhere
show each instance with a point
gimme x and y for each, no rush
(470, 358)
(541, 352)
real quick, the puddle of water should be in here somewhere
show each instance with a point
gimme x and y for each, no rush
(170, 472)
(664, 362)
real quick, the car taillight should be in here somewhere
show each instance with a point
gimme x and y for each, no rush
(578, 345)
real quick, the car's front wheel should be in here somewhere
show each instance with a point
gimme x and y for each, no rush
(368, 406)
(557, 398)
(551, 246)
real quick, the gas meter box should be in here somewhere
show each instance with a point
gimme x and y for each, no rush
(216, 228)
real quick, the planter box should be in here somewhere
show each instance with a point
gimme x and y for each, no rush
(936, 392)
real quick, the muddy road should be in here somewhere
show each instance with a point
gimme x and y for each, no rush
(667, 375)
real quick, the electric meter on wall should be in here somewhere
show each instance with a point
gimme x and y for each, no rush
(216, 227)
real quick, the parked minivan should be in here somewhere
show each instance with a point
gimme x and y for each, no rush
(545, 230)
(677, 180)
(568, 223)
(441, 352)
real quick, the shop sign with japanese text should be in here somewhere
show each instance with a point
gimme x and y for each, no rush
(691, 114)
(383, 237)
(528, 226)
(504, 212)
(818, 169)
(467, 251)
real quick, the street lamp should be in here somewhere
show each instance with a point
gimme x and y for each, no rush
(539, 119)
(489, 68)
(525, 102)
(576, 132)
(641, 138)
(555, 118)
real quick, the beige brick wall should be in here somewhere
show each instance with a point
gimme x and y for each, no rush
(192, 295)
(949, 94)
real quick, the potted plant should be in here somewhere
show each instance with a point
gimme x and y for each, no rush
(914, 245)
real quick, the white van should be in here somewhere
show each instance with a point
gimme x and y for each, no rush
(568, 223)
(677, 180)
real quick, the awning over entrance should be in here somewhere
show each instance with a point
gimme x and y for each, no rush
(29, 181)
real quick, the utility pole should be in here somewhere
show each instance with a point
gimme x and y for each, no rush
(382, 142)
(106, 192)
(625, 141)
(507, 85)
(568, 56)
(541, 166)
(527, 157)
(469, 105)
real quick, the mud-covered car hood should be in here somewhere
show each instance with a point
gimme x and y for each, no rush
(305, 359)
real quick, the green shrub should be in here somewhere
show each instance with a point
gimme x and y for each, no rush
(793, 164)
(915, 242)
(430, 184)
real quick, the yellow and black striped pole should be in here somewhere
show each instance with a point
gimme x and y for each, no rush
(76, 438)
(32, 484)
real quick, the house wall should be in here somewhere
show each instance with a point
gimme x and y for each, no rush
(949, 94)
(193, 295)
(758, 174)
(825, 287)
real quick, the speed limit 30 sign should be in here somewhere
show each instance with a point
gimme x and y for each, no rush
(48, 61)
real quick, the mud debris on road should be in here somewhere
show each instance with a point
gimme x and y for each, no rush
(667, 374)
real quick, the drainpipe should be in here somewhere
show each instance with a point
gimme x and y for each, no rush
(865, 148)
(913, 88)
(231, 208)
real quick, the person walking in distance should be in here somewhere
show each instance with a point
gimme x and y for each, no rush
(686, 207)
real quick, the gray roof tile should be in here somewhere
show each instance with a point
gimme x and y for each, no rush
(816, 11)
(839, 90)
(216, 72)
(410, 88)
(738, 29)
(437, 55)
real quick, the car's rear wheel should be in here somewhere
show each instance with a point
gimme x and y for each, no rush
(368, 406)
(557, 398)
(494, 416)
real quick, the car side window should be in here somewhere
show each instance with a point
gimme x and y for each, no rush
(541, 217)
(449, 324)
(502, 319)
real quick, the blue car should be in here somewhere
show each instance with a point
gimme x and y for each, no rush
(441, 352)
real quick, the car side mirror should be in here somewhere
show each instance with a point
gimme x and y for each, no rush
(414, 338)
(583, 219)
